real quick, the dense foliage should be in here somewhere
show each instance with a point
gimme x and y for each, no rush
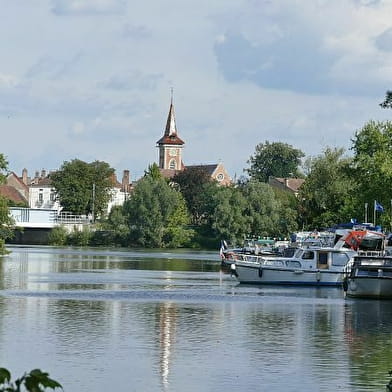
(83, 188)
(372, 166)
(326, 195)
(275, 159)
(156, 215)
(6, 221)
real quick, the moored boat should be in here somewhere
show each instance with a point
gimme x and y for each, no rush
(309, 266)
(319, 266)
(369, 276)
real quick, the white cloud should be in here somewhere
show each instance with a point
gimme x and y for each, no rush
(96, 84)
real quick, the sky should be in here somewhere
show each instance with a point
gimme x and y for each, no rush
(92, 79)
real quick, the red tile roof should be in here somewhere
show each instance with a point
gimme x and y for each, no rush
(10, 193)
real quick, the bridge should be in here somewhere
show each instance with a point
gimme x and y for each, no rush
(35, 218)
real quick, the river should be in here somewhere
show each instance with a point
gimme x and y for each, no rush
(125, 320)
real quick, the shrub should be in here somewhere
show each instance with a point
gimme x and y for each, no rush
(58, 236)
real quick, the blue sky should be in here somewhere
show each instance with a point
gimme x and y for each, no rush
(91, 79)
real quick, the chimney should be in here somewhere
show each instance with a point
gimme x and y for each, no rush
(125, 181)
(113, 179)
(24, 176)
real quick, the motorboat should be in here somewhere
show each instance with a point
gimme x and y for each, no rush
(319, 266)
(369, 276)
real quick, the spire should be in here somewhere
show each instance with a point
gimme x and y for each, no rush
(171, 129)
(170, 136)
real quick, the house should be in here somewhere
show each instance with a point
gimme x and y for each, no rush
(286, 184)
(170, 154)
(15, 189)
(42, 195)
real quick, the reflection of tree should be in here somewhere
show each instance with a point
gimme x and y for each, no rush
(368, 334)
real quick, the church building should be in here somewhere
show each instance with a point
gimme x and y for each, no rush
(170, 147)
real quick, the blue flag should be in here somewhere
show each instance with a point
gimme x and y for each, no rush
(378, 206)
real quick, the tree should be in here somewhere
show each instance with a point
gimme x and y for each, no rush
(6, 222)
(372, 146)
(325, 197)
(196, 186)
(83, 188)
(153, 171)
(156, 215)
(388, 100)
(228, 219)
(262, 208)
(274, 159)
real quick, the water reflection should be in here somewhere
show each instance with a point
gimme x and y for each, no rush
(115, 320)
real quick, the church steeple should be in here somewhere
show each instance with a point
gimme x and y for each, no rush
(170, 145)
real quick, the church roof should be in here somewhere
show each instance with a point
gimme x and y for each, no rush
(210, 169)
(170, 136)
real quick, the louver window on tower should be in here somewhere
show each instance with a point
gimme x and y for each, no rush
(172, 164)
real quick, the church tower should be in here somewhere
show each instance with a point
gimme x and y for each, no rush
(170, 145)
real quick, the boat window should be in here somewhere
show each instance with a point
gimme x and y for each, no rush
(323, 259)
(339, 259)
(277, 263)
(308, 255)
(293, 264)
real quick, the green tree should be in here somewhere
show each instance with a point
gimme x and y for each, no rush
(288, 212)
(262, 208)
(83, 188)
(153, 172)
(372, 146)
(152, 211)
(117, 224)
(197, 187)
(387, 103)
(326, 196)
(6, 222)
(274, 159)
(228, 219)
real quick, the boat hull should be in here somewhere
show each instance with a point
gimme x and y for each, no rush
(370, 287)
(256, 274)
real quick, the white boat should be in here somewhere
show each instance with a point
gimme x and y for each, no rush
(309, 266)
(319, 266)
(369, 277)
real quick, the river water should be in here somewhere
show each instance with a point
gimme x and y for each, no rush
(121, 320)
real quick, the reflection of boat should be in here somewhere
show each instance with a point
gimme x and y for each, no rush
(369, 277)
(309, 266)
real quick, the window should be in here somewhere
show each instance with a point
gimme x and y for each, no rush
(172, 164)
(339, 259)
(52, 196)
(40, 197)
(308, 255)
(220, 177)
(322, 260)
